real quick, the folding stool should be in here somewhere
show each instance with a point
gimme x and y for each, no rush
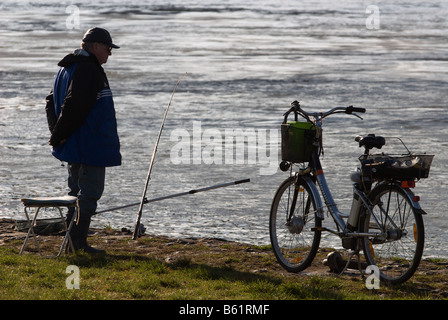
(50, 202)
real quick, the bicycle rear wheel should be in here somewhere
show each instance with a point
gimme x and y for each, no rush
(397, 253)
(293, 242)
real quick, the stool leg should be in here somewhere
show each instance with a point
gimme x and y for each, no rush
(67, 233)
(65, 229)
(28, 234)
(31, 230)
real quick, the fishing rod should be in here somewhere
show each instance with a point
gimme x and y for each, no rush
(193, 191)
(142, 201)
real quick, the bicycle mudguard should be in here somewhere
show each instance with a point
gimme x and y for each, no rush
(320, 209)
(412, 198)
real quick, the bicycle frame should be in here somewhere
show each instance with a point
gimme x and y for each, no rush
(326, 193)
(331, 205)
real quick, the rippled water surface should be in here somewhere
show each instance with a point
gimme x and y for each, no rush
(246, 62)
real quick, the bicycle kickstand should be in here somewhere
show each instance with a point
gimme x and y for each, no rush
(354, 252)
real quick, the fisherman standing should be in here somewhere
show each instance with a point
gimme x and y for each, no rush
(81, 118)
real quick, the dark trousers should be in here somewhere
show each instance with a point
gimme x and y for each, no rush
(86, 183)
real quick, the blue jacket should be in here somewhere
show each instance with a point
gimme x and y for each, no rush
(81, 114)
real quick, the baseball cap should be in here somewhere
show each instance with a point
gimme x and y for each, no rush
(99, 35)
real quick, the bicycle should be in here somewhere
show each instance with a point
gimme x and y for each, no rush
(385, 220)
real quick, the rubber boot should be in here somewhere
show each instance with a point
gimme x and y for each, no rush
(79, 235)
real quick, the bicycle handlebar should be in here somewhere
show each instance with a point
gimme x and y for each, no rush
(351, 109)
(295, 107)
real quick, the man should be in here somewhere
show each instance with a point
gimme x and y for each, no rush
(81, 118)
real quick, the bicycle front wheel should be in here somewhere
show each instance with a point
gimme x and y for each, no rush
(398, 248)
(293, 214)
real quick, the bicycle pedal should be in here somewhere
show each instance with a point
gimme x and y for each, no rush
(319, 229)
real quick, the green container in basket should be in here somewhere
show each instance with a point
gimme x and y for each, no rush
(297, 141)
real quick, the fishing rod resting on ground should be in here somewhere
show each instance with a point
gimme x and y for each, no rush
(193, 191)
(142, 201)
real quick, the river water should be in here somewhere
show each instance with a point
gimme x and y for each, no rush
(246, 61)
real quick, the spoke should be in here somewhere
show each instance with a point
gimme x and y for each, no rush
(399, 254)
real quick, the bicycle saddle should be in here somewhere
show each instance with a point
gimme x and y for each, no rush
(371, 141)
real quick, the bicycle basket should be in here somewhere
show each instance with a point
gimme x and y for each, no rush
(297, 141)
(407, 167)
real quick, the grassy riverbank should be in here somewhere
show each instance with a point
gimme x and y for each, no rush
(189, 269)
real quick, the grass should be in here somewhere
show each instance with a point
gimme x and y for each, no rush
(161, 268)
(128, 276)
(198, 273)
